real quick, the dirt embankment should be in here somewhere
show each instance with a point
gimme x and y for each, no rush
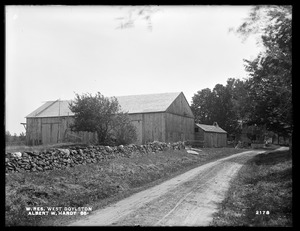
(189, 199)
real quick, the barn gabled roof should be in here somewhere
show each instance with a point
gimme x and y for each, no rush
(147, 103)
(52, 109)
(211, 128)
(131, 104)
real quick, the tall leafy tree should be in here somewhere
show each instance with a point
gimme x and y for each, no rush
(240, 98)
(215, 106)
(224, 112)
(99, 114)
(202, 106)
(270, 82)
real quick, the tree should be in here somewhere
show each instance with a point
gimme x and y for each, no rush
(98, 114)
(15, 137)
(124, 131)
(22, 137)
(137, 13)
(240, 98)
(202, 106)
(270, 82)
(215, 106)
(224, 112)
(8, 137)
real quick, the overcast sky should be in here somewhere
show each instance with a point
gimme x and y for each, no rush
(54, 51)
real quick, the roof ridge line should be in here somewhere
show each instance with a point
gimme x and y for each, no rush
(46, 107)
(148, 94)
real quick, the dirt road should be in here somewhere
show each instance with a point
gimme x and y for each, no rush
(189, 199)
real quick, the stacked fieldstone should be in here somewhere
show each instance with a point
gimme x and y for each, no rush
(57, 158)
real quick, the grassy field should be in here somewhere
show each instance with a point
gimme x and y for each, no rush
(95, 185)
(261, 194)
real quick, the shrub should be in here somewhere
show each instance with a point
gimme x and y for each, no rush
(124, 131)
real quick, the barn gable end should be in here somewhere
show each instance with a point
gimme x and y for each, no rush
(179, 120)
(180, 106)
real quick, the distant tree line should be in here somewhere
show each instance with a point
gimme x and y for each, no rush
(15, 139)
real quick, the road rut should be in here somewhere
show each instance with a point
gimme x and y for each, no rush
(189, 199)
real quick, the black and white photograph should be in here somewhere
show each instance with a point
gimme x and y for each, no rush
(148, 115)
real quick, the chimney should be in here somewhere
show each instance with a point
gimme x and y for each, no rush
(215, 124)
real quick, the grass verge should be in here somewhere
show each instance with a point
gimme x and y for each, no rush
(261, 194)
(95, 185)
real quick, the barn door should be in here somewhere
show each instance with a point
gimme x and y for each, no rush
(55, 133)
(50, 133)
(46, 135)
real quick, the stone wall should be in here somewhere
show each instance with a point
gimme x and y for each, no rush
(58, 158)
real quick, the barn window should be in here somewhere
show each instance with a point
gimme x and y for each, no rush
(196, 129)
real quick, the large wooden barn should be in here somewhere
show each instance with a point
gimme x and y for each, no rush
(212, 136)
(165, 117)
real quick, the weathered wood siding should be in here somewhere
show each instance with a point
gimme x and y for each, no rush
(137, 121)
(51, 130)
(33, 131)
(180, 106)
(222, 140)
(215, 140)
(208, 139)
(162, 126)
(179, 128)
(179, 121)
(200, 134)
(153, 127)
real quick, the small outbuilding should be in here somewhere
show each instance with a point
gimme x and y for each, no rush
(212, 136)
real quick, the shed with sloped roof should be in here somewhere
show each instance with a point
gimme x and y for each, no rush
(211, 135)
(165, 117)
